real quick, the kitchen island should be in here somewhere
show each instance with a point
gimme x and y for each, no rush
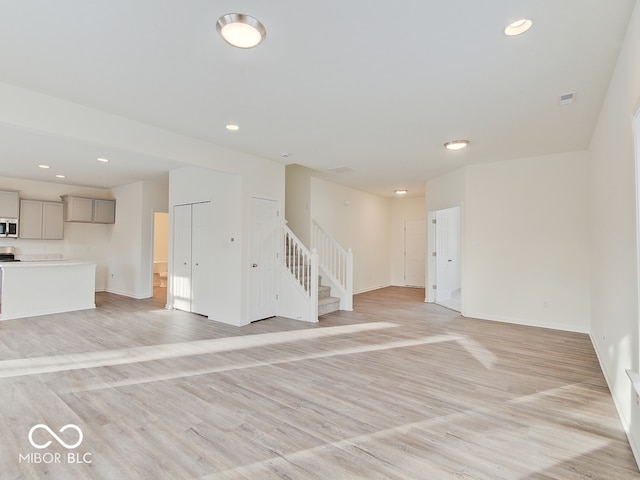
(28, 289)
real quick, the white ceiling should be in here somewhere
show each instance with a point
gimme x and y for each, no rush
(373, 86)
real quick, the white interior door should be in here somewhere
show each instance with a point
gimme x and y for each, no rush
(415, 248)
(264, 258)
(181, 275)
(200, 271)
(191, 275)
(445, 258)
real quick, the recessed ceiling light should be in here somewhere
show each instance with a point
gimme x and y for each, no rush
(240, 30)
(402, 192)
(232, 127)
(103, 160)
(60, 176)
(44, 166)
(518, 27)
(456, 144)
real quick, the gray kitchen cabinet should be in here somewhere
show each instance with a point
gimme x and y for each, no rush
(89, 210)
(41, 219)
(9, 204)
(104, 211)
(78, 209)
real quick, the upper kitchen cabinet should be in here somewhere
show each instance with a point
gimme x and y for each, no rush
(9, 203)
(89, 210)
(104, 211)
(41, 219)
(78, 209)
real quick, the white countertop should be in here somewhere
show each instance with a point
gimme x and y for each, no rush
(43, 263)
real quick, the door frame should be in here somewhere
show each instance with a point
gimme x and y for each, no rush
(432, 278)
(153, 248)
(253, 315)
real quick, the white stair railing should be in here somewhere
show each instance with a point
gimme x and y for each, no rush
(336, 264)
(301, 267)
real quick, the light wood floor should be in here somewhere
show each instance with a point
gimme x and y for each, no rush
(396, 389)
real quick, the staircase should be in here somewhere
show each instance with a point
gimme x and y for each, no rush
(326, 303)
(335, 265)
(303, 297)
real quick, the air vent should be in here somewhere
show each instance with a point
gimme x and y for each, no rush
(567, 98)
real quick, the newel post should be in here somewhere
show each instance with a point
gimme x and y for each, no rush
(313, 284)
(348, 304)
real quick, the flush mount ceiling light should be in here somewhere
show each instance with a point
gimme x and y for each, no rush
(456, 144)
(61, 176)
(240, 30)
(103, 160)
(518, 27)
(402, 192)
(44, 166)
(232, 127)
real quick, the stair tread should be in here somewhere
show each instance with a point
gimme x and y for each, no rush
(324, 301)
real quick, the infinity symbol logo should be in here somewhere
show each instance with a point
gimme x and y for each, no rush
(59, 440)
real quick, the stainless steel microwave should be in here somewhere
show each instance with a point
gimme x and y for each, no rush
(8, 227)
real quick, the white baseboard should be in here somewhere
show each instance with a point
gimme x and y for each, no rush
(371, 289)
(635, 448)
(126, 294)
(527, 322)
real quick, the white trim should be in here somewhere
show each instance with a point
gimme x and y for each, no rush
(371, 289)
(636, 139)
(528, 323)
(635, 449)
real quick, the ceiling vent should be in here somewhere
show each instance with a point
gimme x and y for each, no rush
(567, 98)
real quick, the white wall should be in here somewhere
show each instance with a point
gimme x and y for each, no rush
(131, 238)
(402, 209)
(230, 196)
(298, 199)
(125, 243)
(526, 242)
(360, 221)
(446, 191)
(614, 289)
(155, 198)
(82, 241)
(525, 239)
(193, 185)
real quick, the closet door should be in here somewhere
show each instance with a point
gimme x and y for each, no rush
(181, 278)
(199, 265)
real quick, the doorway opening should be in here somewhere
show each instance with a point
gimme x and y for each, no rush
(445, 266)
(160, 256)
